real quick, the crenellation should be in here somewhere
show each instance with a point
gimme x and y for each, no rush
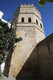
(27, 5)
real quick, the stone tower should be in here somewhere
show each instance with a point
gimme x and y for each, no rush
(28, 24)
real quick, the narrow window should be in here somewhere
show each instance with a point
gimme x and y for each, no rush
(36, 22)
(40, 25)
(29, 19)
(22, 20)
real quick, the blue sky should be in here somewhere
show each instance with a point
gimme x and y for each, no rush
(10, 6)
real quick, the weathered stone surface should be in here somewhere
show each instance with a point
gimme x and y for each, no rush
(39, 65)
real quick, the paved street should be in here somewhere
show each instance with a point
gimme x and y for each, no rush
(5, 78)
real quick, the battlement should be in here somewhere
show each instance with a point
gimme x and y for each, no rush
(29, 6)
(29, 10)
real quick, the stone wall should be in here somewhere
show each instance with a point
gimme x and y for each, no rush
(40, 63)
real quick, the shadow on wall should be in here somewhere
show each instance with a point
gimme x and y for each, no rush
(39, 65)
(31, 69)
(8, 62)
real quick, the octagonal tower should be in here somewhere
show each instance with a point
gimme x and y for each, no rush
(28, 24)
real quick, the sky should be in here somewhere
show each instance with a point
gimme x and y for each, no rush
(8, 7)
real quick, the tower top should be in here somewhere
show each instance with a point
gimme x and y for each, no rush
(29, 6)
(27, 16)
(28, 9)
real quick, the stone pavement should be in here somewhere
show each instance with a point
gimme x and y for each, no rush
(5, 78)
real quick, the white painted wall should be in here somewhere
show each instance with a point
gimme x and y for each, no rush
(1, 14)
